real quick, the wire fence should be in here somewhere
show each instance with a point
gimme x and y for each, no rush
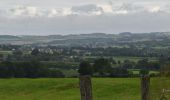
(151, 88)
(160, 88)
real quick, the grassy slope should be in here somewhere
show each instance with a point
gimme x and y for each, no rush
(67, 89)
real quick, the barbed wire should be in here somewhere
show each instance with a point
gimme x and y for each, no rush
(163, 95)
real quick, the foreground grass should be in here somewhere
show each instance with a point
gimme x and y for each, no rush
(68, 89)
(157, 85)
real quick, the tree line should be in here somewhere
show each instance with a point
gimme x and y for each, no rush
(30, 69)
(102, 67)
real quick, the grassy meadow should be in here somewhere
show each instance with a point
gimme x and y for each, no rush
(122, 58)
(68, 89)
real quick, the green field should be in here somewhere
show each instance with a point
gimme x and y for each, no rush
(135, 59)
(123, 58)
(137, 71)
(5, 52)
(68, 89)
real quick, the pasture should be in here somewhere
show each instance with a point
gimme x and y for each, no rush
(6, 52)
(68, 89)
(122, 58)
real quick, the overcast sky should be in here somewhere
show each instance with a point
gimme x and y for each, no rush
(44, 17)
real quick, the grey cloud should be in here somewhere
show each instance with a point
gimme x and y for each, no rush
(130, 7)
(106, 17)
(90, 8)
(141, 22)
(86, 9)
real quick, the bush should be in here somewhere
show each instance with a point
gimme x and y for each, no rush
(85, 68)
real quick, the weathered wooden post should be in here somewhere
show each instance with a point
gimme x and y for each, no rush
(85, 87)
(85, 84)
(145, 83)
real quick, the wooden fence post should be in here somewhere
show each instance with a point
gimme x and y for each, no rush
(145, 83)
(85, 87)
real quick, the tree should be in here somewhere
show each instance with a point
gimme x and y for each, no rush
(144, 72)
(119, 62)
(119, 72)
(113, 61)
(102, 66)
(142, 64)
(85, 68)
(154, 65)
(165, 70)
(33, 69)
(7, 69)
(17, 52)
(128, 64)
(19, 71)
(35, 52)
